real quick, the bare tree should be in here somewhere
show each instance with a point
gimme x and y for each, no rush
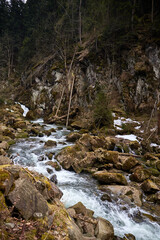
(80, 22)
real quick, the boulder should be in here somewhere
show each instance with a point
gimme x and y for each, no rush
(6, 181)
(81, 209)
(110, 178)
(5, 160)
(31, 115)
(73, 136)
(20, 124)
(104, 230)
(129, 163)
(127, 193)
(4, 145)
(149, 186)
(54, 178)
(55, 165)
(27, 199)
(50, 143)
(90, 143)
(139, 175)
(104, 156)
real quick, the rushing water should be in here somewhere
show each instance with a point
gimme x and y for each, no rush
(81, 187)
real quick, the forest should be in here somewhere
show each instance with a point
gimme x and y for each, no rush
(39, 28)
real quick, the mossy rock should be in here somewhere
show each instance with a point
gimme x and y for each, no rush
(22, 135)
(20, 124)
(4, 177)
(31, 115)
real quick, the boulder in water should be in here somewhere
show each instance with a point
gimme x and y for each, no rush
(50, 143)
(110, 178)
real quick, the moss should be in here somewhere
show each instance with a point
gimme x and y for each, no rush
(22, 135)
(2, 202)
(3, 234)
(11, 142)
(48, 235)
(31, 234)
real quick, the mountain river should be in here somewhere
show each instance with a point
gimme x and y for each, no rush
(81, 187)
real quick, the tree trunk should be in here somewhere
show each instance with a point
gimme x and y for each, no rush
(152, 12)
(80, 22)
(70, 98)
(133, 12)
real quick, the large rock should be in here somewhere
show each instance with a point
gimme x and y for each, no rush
(129, 163)
(5, 160)
(50, 143)
(127, 193)
(149, 186)
(104, 156)
(104, 230)
(110, 178)
(90, 143)
(139, 175)
(27, 199)
(73, 136)
(4, 145)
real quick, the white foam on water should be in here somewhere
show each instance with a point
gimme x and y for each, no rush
(25, 109)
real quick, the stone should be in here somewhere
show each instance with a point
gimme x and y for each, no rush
(81, 209)
(129, 236)
(54, 179)
(50, 143)
(104, 230)
(4, 145)
(149, 186)
(110, 178)
(5, 160)
(129, 163)
(31, 115)
(50, 171)
(73, 136)
(105, 156)
(127, 193)
(27, 200)
(55, 165)
(139, 175)
(20, 124)
(6, 181)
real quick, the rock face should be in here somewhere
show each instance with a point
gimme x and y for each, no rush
(26, 198)
(110, 178)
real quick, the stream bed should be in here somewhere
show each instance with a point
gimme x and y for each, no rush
(80, 187)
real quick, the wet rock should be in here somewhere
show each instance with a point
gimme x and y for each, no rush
(104, 230)
(49, 155)
(149, 186)
(50, 143)
(127, 193)
(42, 158)
(54, 165)
(129, 236)
(5, 160)
(34, 130)
(110, 178)
(139, 175)
(47, 132)
(129, 163)
(27, 199)
(91, 142)
(50, 171)
(106, 197)
(72, 137)
(54, 179)
(9, 132)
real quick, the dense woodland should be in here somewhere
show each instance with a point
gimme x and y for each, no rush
(39, 28)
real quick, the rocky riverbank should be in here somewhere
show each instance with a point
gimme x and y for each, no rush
(30, 203)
